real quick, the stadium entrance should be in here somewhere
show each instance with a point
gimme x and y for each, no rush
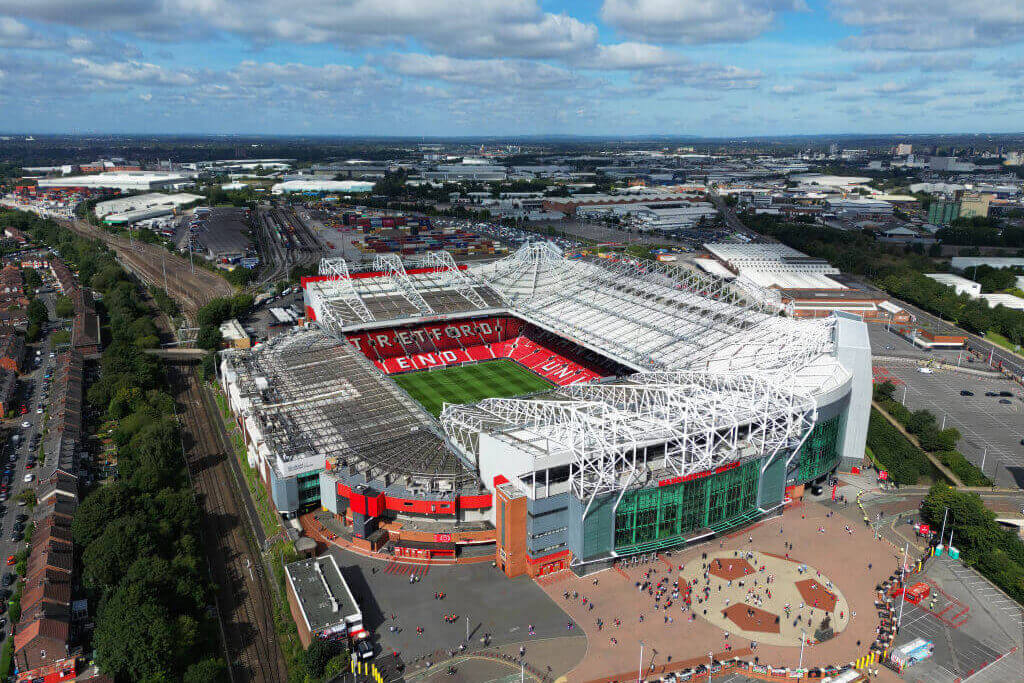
(712, 502)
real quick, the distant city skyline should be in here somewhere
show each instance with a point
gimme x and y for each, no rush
(512, 67)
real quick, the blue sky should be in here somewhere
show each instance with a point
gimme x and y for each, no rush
(512, 67)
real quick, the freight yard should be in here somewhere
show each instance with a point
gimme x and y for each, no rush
(294, 235)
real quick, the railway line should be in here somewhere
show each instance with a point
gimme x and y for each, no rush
(285, 241)
(243, 599)
(154, 265)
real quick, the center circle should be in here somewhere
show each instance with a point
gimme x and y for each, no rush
(765, 598)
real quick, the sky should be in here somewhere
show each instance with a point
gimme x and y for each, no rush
(511, 67)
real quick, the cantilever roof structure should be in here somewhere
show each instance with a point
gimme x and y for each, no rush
(433, 286)
(309, 395)
(721, 376)
(696, 421)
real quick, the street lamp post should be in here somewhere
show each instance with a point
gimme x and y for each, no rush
(903, 586)
(640, 671)
(803, 637)
(711, 663)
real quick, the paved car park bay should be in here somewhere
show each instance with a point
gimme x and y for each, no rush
(992, 430)
(981, 643)
(493, 604)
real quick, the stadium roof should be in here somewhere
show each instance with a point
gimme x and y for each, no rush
(698, 421)
(721, 376)
(310, 395)
(349, 300)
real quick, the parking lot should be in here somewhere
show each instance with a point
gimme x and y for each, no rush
(991, 430)
(971, 646)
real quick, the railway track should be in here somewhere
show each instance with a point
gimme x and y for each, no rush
(243, 598)
(154, 265)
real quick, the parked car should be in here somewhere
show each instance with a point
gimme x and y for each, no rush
(29, 478)
(965, 392)
(1005, 400)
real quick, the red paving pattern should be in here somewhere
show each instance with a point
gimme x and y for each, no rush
(882, 375)
(750, 618)
(841, 556)
(731, 569)
(816, 595)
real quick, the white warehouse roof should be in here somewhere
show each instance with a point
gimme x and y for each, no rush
(121, 180)
(144, 201)
(322, 186)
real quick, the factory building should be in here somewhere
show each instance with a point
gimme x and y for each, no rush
(125, 181)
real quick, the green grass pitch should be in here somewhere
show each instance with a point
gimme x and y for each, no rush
(470, 383)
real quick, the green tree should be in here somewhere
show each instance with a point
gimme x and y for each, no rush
(64, 307)
(36, 312)
(135, 638)
(209, 338)
(32, 278)
(318, 655)
(98, 509)
(209, 670)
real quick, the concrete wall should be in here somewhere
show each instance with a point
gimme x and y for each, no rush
(284, 492)
(853, 349)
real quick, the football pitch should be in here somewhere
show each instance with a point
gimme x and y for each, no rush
(470, 383)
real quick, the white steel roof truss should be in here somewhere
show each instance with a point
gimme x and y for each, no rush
(338, 288)
(449, 276)
(394, 271)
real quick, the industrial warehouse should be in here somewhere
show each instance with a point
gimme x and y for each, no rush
(616, 406)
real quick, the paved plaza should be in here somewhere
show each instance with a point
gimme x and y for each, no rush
(763, 598)
(853, 560)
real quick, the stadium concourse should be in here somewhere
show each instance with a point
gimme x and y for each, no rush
(683, 407)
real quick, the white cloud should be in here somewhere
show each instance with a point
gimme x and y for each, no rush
(802, 88)
(921, 62)
(628, 56)
(696, 21)
(698, 75)
(931, 24)
(15, 34)
(130, 72)
(467, 28)
(484, 73)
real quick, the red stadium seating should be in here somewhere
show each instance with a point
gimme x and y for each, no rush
(440, 344)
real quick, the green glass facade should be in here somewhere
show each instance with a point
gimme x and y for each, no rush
(652, 518)
(309, 489)
(820, 452)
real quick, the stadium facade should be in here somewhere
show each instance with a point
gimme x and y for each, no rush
(682, 407)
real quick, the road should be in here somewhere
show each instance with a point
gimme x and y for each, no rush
(154, 265)
(30, 389)
(996, 355)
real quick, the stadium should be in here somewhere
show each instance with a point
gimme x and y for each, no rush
(545, 411)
